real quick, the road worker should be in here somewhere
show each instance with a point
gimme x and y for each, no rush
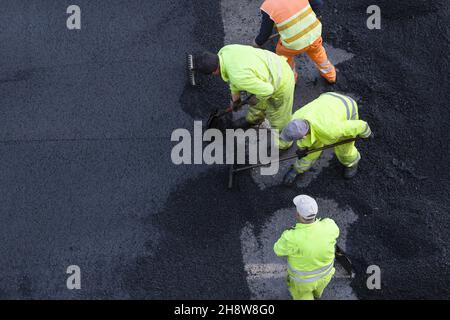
(300, 32)
(331, 118)
(259, 72)
(310, 250)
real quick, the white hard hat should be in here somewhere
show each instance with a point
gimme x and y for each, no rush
(306, 206)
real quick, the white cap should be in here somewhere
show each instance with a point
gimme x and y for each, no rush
(306, 206)
(295, 130)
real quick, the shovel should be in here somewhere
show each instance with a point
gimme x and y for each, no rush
(344, 261)
(299, 154)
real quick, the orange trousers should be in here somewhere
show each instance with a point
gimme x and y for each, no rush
(316, 52)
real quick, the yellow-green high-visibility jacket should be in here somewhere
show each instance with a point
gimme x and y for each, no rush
(332, 117)
(256, 71)
(310, 249)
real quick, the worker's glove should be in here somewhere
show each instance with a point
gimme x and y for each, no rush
(301, 153)
(368, 137)
(235, 105)
(275, 102)
(253, 101)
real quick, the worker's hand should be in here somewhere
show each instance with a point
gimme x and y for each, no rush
(235, 105)
(275, 102)
(301, 153)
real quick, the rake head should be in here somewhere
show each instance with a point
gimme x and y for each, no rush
(191, 70)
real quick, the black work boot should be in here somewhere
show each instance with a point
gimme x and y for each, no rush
(291, 177)
(350, 172)
(241, 123)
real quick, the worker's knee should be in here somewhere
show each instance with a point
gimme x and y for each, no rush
(302, 295)
(301, 167)
(304, 164)
(322, 284)
(349, 158)
(299, 292)
(283, 145)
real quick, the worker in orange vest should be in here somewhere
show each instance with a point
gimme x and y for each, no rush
(300, 32)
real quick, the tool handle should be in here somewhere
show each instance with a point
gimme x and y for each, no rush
(296, 155)
(246, 100)
(224, 112)
(230, 109)
(331, 145)
(265, 164)
(268, 39)
(273, 36)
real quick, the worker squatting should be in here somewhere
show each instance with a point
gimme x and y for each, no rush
(270, 78)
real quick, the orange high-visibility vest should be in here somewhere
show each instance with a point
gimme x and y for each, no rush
(295, 20)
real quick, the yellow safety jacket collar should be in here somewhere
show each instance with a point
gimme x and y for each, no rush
(306, 225)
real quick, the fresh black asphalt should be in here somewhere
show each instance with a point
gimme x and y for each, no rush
(86, 178)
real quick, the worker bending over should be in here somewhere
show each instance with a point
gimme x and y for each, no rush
(300, 32)
(331, 118)
(310, 250)
(259, 72)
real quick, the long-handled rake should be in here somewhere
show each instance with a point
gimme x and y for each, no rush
(191, 70)
(299, 154)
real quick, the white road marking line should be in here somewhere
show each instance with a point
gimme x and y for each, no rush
(265, 271)
(276, 271)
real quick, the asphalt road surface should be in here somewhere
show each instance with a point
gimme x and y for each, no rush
(86, 118)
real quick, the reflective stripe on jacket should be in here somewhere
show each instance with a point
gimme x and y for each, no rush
(295, 20)
(310, 249)
(309, 276)
(332, 117)
(256, 71)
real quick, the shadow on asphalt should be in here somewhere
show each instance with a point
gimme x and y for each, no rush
(200, 251)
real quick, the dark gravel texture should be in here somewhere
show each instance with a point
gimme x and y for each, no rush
(85, 142)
